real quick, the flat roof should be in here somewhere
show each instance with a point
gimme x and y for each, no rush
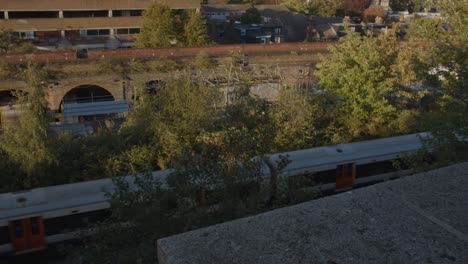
(48, 5)
(416, 219)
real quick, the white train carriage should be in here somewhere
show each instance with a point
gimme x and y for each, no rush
(29, 220)
(344, 163)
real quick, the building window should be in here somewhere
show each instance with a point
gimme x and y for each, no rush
(126, 31)
(98, 32)
(134, 31)
(126, 13)
(32, 14)
(86, 13)
(21, 35)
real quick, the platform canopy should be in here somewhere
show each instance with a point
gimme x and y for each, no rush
(95, 108)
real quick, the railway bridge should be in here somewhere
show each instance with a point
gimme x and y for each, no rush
(81, 91)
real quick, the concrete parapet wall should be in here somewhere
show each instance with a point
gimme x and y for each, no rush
(417, 219)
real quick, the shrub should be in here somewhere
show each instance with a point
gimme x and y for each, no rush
(164, 64)
(203, 61)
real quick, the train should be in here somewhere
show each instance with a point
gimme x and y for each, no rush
(32, 219)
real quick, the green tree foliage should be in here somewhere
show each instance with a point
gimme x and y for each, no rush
(11, 43)
(408, 5)
(402, 5)
(203, 61)
(325, 8)
(27, 142)
(163, 27)
(424, 29)
(297, 116)
(8, 71)
(359, 77)
(251, 16)
(299, 6)
(157, 28)
(106, 66)
(171, 118)
(443, 64)
(195, 30)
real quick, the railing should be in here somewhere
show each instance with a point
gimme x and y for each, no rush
(89, 99)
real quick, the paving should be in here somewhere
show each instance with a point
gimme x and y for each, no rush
(416, 219)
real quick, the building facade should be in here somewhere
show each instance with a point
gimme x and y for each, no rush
(79, 23)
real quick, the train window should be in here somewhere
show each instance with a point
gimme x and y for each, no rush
(4, 235)
(339, 170)
(18, 229)
(35, 226)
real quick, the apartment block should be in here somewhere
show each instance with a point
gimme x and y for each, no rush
(79, 23)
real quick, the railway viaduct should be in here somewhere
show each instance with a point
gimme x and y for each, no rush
(56, 90)
(292, 61)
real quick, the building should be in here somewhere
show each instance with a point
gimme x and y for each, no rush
(259, 33)
(79, 23)
(384, 3)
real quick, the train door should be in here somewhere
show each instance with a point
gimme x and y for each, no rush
(345, 175)
(27, 234)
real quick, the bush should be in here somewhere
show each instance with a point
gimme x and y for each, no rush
(137, 66)
(107, 66)
(164, 64)
(7, 71)
(203, 61)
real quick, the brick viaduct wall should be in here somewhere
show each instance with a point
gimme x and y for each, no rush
(64, 56)
(112, 83)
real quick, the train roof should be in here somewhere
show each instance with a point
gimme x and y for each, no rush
(36, 201)
(324, 158)
(52, 198)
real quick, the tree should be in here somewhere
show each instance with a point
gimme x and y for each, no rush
(297, 6)
(355, 6)
(251, 16)
(27, 143)
(158, 27)
(296, 115)
(195, 30)
(443, 64)
(371, 13)
(171, 118)
(422, 29)
(359, 78)
(408, 5)
(325, 8)
(11, 43)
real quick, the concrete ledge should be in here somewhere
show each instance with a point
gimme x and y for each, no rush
(417, 219)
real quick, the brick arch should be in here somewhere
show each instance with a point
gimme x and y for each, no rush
(59, 94)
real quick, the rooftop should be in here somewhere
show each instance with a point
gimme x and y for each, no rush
(417, 219)
(49, 5)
